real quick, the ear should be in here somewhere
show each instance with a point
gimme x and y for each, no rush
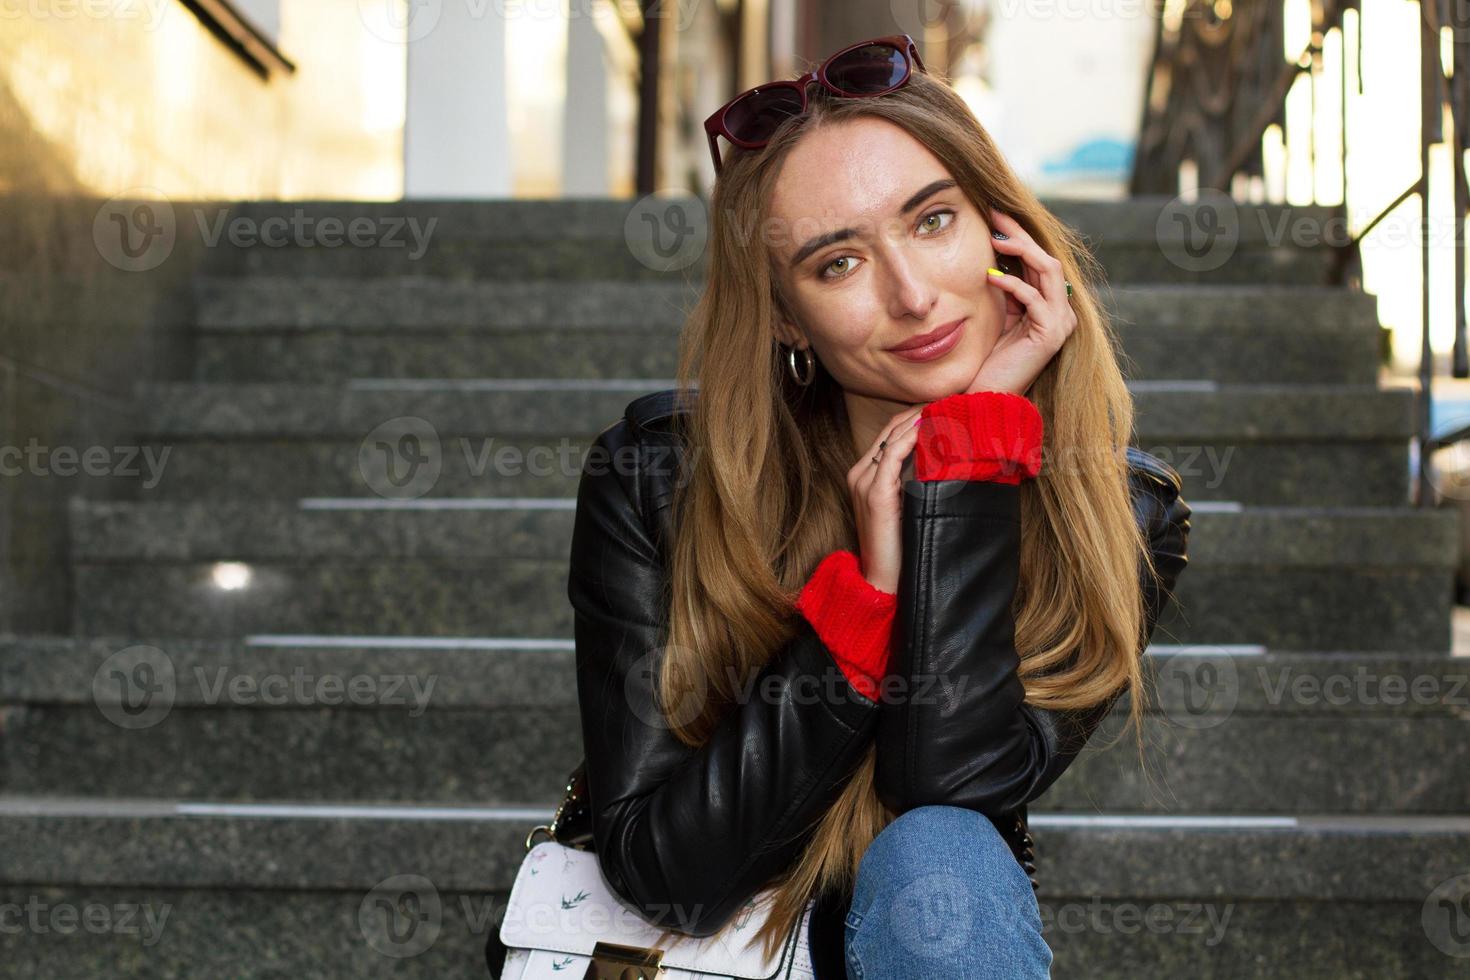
(784, 329)
(787, 334)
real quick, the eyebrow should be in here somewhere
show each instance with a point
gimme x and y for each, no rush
(822, 241)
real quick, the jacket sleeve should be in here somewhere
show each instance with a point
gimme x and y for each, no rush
(685, 836)
(961, 735)
(853, 618)
(982, 435)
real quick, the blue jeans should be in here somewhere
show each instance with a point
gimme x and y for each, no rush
(939, 894)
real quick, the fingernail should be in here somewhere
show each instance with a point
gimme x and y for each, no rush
(1001, 235)
(995, 272)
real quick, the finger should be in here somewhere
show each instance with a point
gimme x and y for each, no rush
(908, 414)
(898, 442)
(1049, 272)
(894, 454)
(1025, 293)
(903, 425)
(861, 470)
(893, 427)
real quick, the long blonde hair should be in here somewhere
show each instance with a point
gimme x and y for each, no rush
(765, 497)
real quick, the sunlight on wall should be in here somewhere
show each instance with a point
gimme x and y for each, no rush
(347, 104)
(536, 73)
(622, 102)
(106, 103)
(1383, 159)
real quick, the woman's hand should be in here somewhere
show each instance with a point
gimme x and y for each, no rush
(1032, 336)
(877, 499)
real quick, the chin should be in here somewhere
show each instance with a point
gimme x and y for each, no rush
(951, 381)
(956, 378)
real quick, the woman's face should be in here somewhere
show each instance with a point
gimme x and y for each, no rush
(913, 261)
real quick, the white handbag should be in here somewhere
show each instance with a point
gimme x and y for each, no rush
(563, 921)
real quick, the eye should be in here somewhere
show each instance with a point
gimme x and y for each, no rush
(936, 214)
(949, 212)
(843, 272)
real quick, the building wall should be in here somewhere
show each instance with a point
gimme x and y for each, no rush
(108, 103)
(146, 104)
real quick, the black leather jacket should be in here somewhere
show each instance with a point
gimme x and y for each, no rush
(686, 836)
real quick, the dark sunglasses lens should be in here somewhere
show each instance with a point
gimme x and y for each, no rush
(869, 69)
(755, 117)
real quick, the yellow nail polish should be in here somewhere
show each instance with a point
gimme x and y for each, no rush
(995, 272)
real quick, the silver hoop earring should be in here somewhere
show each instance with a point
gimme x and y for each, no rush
(803, 376)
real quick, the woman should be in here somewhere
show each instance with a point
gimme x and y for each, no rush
(836, 625)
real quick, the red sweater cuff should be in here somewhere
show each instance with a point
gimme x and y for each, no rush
(979, 435)
(852, 617)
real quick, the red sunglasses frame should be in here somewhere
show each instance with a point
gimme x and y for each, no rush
(715, 125)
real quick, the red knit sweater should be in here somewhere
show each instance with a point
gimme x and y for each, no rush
(980, 435)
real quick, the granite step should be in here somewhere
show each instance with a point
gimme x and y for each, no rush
(1288, 578)
(322, 682)
(1338, 445)
(1141, 239)
(280, 328)
(185, 887)
(494, 720)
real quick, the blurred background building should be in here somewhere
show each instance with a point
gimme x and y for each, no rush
(324, 261)
(456, 98)
(383, 99)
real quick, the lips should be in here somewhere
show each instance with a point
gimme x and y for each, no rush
(925, 339)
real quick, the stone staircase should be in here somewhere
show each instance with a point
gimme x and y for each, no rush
(320, 683)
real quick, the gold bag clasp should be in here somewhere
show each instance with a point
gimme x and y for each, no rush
(611, 961)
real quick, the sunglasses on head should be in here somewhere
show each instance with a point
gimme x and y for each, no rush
(860, 70)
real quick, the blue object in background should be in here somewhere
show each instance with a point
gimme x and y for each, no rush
(1101, 157)
(1446, 413)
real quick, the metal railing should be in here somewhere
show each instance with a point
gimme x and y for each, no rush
(1218, 81)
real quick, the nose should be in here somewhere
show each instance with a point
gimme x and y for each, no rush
(912, 294)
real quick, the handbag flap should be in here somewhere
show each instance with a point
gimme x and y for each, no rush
(560, 902)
